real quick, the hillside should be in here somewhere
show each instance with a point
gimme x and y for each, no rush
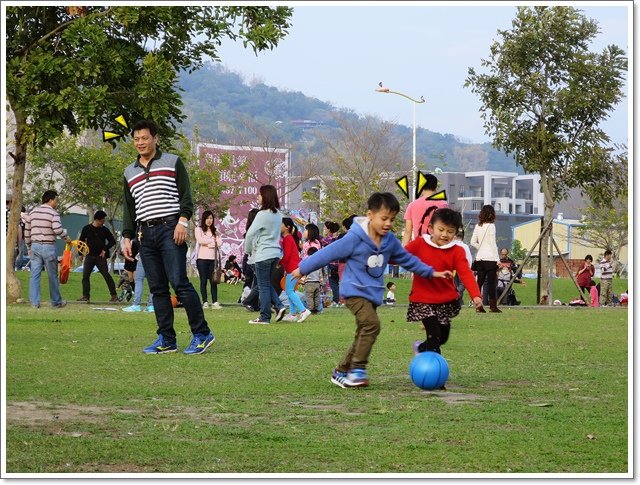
(225, 109)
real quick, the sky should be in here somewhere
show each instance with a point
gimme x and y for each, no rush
(338, 52)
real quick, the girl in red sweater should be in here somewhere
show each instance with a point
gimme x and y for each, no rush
(290, 261)
(436, 301)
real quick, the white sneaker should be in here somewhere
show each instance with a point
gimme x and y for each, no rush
(291, 317)
(304, 315)
(217, 306)
(205, 304)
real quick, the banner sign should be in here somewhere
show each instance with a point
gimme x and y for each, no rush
(264, 166)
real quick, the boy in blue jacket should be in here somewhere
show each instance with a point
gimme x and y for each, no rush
(367, 248)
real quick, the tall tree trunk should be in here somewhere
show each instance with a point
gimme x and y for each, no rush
(19, 161)
(545, 272)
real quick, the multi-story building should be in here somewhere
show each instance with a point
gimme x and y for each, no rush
(517, 198)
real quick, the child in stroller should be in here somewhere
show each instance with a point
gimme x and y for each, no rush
(504, 277)
(125, 286)
(506, 269)
(232, 272)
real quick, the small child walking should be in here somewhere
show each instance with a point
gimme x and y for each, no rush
(312, 283)
(436, 301)
(290, 261)
(367, 249)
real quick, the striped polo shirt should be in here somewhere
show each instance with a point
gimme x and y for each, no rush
(160, 189)
(43, 225)
(606, 270)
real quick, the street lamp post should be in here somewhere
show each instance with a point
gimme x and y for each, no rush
(414, 169)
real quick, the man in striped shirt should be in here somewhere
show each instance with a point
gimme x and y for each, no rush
(41, 229)
(158, 206)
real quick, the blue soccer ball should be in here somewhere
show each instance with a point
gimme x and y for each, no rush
(429, 370)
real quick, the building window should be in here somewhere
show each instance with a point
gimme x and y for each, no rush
(461, 192)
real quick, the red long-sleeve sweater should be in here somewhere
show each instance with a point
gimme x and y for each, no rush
(290, 254)
(441, 258)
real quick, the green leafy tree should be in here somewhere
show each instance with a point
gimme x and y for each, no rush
(606, 226)
(544, 95)
(85, 171)
(72, 68)
(517, 253)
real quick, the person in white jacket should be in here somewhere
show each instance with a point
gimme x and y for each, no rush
(487, 257)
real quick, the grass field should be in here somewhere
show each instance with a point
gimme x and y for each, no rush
(530, 391)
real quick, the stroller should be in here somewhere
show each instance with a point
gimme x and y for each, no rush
(126, 287)
(232, 272)
(504, 277)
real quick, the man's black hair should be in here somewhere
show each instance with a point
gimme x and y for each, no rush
(431, 182)
(390, 284)
(448, 217)
(99, 215)
(145, 124)
(49, 195)
(383, 199)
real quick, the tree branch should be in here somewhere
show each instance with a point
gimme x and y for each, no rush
(60, 27)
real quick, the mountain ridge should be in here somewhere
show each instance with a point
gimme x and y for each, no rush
(225, 108)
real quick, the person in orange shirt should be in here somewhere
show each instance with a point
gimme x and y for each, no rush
(435, 301)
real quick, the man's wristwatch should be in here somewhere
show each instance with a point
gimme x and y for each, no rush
(184, 223)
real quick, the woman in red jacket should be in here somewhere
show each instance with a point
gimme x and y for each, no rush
(290, 261)
(584, 275)
(436, 301)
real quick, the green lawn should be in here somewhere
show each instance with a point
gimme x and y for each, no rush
(530, 391)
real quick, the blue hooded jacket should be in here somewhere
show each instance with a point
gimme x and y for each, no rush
(365, 262)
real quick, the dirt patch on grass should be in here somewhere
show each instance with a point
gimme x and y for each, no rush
(53, 416)
(39, 413)
(458, 397)
(501, 384)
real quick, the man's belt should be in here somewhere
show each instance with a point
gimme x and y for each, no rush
(160, 220)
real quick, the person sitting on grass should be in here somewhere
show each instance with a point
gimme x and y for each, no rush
(391, 293)
(366, 249)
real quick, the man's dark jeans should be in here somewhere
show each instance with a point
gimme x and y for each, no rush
(103, 267)
(166, 263)
(268, 294)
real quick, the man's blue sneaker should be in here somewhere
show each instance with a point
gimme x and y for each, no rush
(356, 378)
(200, 343)
(338, 378)
(160, 346)
(132, 308)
